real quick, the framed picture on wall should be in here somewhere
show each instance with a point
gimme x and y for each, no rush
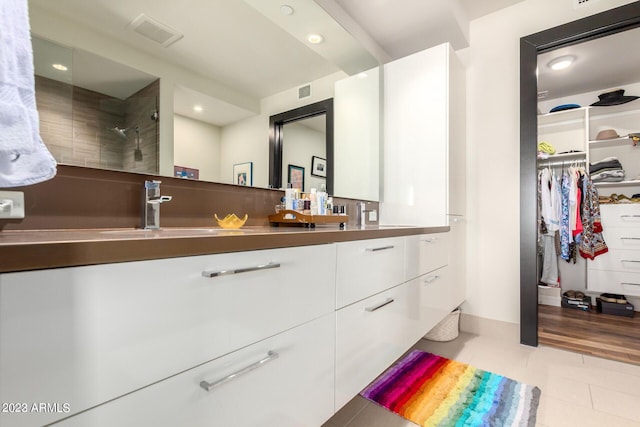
(318, 166)
(243, 174)
(185, 172)
(296, 177)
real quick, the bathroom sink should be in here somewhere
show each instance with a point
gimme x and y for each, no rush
(171, 232)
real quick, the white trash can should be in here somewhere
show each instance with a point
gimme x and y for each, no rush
(448, 328)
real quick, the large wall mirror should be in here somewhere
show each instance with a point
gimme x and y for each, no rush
(95, 112)
(544, 46)
(301, 146)
(233, 65)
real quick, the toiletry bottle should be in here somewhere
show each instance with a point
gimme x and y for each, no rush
(288, 197)
(314, 201)
(321, 199)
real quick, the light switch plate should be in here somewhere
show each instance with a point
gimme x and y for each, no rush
(373, 216)
(11, 204)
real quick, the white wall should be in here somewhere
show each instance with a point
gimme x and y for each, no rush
(493, 138)
(246, 141)
(197, 146)
(300, 144)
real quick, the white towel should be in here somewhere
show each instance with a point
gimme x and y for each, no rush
(24, 159)
(27, 169)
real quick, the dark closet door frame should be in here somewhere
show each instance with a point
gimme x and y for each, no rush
(599, 25)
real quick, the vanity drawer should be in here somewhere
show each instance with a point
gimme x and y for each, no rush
(622, 237)
(85, 335)
(366, 267)
(614, 282)
(438, 297)
(426, 253)
(617, 260)
(371, 334)
(292, 390)
(620, 215)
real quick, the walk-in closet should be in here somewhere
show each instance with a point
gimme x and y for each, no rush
(588, 206)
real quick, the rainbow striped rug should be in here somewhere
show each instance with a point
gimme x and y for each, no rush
(431, 390)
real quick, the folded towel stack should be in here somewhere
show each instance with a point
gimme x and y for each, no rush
(24, 159)
(606, 170)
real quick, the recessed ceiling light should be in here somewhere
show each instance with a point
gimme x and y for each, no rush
(315, 38)
(286, 10)
(197, 108)
(561, 62)
(362, 75)
(60, 67)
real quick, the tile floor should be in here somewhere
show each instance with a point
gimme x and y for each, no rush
(577, 390)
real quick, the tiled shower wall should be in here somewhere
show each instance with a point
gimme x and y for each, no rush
(139, 108)
(76, 124)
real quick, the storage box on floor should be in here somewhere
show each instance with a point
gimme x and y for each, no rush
(621, 307)
(579, 304)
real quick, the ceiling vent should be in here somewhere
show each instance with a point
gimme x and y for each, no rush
(304, 91)
(154, 30)
(581, 3)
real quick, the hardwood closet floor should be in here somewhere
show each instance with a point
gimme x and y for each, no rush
(590, 332)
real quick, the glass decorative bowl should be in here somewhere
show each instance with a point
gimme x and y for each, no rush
(231, 221)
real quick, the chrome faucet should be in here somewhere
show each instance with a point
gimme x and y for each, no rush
(361, 211)
(152, 201)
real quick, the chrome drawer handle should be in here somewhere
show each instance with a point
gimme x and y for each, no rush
(629, 283)
(629, 216)
(630, 238)
(379, 306)
(382, 248)
(628, 260)
(240, 270)
(431, 240)
(431, 279)
(271, 355)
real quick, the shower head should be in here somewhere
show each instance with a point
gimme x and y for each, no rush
(121, 132)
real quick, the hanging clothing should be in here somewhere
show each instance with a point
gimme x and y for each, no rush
(551, 199)
(549, 208)
(549, 262)
(592, 242)
(566, 238)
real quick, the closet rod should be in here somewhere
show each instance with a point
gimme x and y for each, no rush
(546, 163)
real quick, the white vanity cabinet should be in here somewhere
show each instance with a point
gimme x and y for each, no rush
(277, 337)
(85, 335)
(425, 253)
(618, 270)
(292, 387)
(365, 267)
(370, 335)
(377, 313)
(436, 292)
(434, 266)
(424, 132)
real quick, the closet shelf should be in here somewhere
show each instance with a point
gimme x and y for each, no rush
(629, 183)
(575, 115)
(605, 112)
(610, 142)
(563, 156)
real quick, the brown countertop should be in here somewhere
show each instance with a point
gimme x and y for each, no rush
(40, 249)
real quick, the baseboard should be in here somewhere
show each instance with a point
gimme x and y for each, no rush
(489, 327)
